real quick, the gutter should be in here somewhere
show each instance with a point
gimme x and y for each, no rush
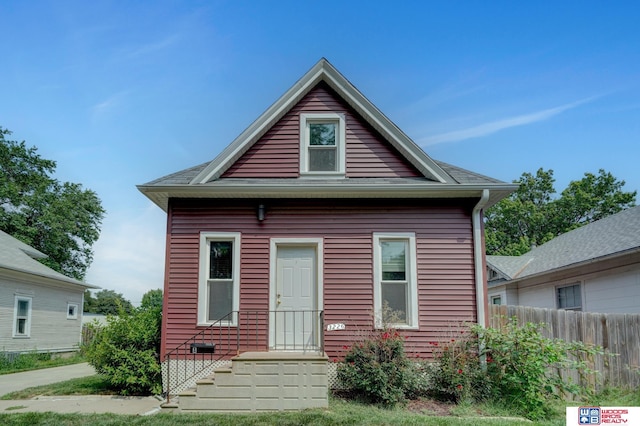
(478, 251)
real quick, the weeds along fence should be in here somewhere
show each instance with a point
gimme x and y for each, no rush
(88, 333)
(617, 334)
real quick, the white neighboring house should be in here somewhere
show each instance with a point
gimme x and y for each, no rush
(595, 268)
(40, 309)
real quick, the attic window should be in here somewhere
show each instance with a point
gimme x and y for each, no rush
(322, 144)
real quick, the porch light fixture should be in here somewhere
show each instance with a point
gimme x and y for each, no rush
(261, 212)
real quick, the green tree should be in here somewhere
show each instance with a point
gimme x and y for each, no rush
(534, 214)
(60, 219)
(89, 302)
(108, 302)
(152, 299)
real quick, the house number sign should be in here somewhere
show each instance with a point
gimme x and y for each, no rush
(337, 326)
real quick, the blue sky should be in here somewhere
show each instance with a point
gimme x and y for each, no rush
(120, 93)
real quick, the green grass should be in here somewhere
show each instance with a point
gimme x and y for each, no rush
(340, 412)
(91, 385)
(36, 361)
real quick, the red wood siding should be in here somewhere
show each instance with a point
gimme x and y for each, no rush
(446, 291)
(277, 153)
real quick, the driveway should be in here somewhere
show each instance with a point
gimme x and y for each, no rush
(18, 381)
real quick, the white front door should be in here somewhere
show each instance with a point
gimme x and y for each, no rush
(295, 321)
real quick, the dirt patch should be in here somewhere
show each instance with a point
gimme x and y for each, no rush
(430, 407)
(426, 406)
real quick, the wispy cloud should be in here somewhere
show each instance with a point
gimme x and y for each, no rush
(149, 48)
(495, 126)
(105, 107)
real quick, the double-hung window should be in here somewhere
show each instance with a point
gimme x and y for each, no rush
(22, 317)
(569, 297)
(395, 281)
(322, 144)
(219, 284)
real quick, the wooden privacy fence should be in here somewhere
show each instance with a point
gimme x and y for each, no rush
(617, 334)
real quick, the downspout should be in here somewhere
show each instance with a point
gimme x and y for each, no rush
(478, 251)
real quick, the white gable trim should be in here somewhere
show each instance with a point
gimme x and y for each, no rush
(259, 127)
(323, 71)
(386, 127)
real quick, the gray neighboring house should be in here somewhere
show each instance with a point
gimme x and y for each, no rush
(595, 268)
(40, 309)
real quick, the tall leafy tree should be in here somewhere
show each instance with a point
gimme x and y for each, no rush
(152, 299)
(60, 219)
(107, 302)
(534, 214)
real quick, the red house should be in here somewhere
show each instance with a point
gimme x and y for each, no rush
(315, 217)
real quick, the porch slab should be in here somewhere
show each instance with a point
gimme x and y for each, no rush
(281, 356)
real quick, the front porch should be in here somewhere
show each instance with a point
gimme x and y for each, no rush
(259, 381)
(250, 361)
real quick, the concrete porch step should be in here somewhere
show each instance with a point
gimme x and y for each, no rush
(261, 381)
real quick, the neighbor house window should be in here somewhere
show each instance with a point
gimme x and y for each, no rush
(396, 280)
(491, 274)
(72, 311)
(219, 286)
(322, 144)
(496, 300)
(22, 317)
(569, 297)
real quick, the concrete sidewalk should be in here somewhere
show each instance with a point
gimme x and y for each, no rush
(68, 404)
(89, 404)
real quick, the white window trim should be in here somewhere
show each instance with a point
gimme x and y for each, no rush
(412, 278)
(341, 142)
(572, 308)
(75, 311)
(496, 297)
(205, 238)
(27, 333)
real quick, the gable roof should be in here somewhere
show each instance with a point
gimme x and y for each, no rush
(440, 179)
(20, 257)
(617, 234)
(323, 71)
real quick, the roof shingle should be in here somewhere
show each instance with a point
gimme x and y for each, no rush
(613, 234)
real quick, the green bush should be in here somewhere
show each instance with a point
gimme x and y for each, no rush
(378, 370)
(126, 351)
(521, 368)
(457, 375)
(524, 367)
